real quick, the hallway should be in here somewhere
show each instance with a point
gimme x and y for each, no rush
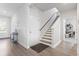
(7, 48)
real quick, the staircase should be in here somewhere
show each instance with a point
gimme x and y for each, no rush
(47, 38)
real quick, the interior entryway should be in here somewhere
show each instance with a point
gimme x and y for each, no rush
(43, 29)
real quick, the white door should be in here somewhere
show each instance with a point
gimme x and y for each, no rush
(34, 32)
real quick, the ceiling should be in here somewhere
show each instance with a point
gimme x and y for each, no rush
(8, 8)
(60, 6)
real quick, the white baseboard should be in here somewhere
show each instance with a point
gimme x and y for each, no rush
(27, 47)
(55, 45)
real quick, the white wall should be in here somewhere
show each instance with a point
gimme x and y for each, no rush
(34, 26)
(69, 16)
(56, 33)
(13, 23)
(22, 17)
(28, 25)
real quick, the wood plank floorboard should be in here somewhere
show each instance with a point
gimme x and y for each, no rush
(8, 48)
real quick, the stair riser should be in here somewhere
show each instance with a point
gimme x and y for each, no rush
(48, 33)
(46, 42)
(47, 38)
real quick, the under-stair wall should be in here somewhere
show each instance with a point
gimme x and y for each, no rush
(56, 33)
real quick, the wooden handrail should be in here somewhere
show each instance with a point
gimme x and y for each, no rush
(54, 20)
(48, 21)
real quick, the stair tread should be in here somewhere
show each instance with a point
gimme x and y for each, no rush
(45, 41)
(49, 31)
(48, 35)
(46, 38)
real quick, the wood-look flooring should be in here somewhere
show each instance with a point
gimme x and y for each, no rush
(7, 48)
